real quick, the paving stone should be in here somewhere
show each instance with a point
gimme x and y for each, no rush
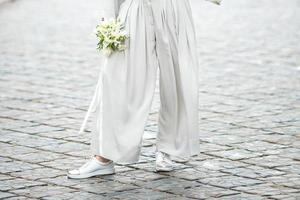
(288, 130)
(292, 153)
(148, 152)
(177, 198)
(170, 185)
(218, 164)
(18, 183)
(31, 140)
(199, 157)
(143, 175)
(37, 129)
(64, 163)
(7, 124)
(270, 161)
(149, 135)
(9, 150)
(214, 126)
(225, 139)
(76, 195)
(38, 156)
(65, 147)
(78, 139)
(136, 176)
(43, 191)
(61, 134)
(243, 196)
(38, 173)
(60, 180)
(20, 198)
(266, 189)
(264, 124)
(235, 154)
(291, 169)
(79, 153)
(208, 147)
(207, 191)
(151, 128)
(288, 180)
(254, 172)
(150, 166)
(230, 181)
(147, 143)
(4, 195)
(276, 138)
(121, 168)
(60, 121)
(4, 136)
(5, 159)
(253, 134)
(104, 187)
(5, 177)
(16, 166)
(294, 196)
(195, 174)
(141, 194)
(249, 118)
(258, 146)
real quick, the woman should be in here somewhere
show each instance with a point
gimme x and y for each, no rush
(162, 35)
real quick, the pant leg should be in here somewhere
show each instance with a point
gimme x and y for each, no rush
(178, 64)
(128, 83)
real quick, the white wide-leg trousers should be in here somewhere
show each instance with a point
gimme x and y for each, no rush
(162, 35)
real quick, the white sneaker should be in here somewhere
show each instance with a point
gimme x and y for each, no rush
(163, 162)
(93, 167)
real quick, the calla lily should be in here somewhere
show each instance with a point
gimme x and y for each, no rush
(111, 36)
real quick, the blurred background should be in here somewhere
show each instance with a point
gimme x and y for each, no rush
(249, 104)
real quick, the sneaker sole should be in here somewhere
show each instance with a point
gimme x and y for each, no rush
(95, 173)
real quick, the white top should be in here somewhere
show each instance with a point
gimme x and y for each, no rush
(110, 8)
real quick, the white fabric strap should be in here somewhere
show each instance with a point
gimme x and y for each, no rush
(96, 98)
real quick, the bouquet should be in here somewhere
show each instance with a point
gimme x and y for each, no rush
(111, 36)
(215, 1)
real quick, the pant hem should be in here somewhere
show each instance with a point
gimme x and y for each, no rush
(118, 161)
(189, 155)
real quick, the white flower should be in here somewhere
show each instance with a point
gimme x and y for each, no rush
(111, 36)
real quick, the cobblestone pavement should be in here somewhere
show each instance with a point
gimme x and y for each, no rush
(249, 105)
